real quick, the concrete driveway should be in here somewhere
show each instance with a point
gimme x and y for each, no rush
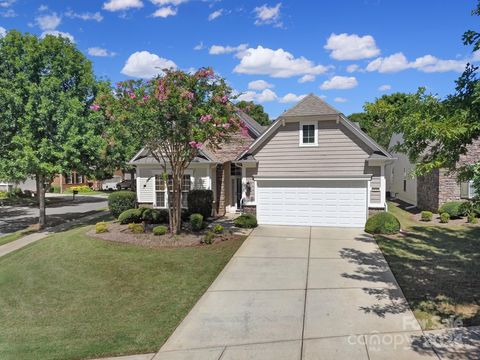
(301, 293)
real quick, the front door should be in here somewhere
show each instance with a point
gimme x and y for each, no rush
(236, 192)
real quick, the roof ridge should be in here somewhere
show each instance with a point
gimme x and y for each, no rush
(318, 106)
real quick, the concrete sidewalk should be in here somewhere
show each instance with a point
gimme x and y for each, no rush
(29, 239)
(304, 293)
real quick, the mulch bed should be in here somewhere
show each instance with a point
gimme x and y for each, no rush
(122, 234)
(436, 220)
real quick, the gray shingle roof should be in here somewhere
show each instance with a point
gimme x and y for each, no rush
(311, 105)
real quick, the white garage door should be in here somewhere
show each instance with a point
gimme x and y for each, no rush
(314, 203)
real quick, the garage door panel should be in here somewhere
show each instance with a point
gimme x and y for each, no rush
(316, 203)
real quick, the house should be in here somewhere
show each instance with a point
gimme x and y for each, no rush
(312, 166)
(62, 182)
(432, 190)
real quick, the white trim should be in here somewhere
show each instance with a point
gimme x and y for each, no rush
(382, 185)
(369, 192)
(365, 178)
(303, 123)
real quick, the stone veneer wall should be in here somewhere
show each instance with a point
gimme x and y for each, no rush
(250, 209)
(427, 191)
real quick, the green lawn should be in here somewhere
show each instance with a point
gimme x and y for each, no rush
(438, 269)
(73, 297)
(14, 236)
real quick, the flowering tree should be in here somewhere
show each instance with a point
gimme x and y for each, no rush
(175, 115)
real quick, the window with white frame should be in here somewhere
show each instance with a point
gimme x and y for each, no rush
(164, 192)
(467, 191)
(308, 133)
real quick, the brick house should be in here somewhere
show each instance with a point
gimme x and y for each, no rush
(431, 191)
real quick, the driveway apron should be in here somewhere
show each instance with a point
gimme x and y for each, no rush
(301, 293)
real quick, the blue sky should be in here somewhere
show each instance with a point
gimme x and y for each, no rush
(272, 51)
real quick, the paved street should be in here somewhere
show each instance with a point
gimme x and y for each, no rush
(303, 293)
(13, 218)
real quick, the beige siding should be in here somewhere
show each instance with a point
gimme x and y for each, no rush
(339, 152)
(375, 184)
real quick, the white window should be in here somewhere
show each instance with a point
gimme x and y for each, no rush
(308, 133)
(467, 191)
(162, 195)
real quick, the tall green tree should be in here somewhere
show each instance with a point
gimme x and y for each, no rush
(46, 126)
(175, 115)
(380, 116)
(256, 111)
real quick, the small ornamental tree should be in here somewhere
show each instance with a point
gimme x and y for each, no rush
(175, 115)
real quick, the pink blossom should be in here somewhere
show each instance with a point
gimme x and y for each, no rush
(206, 118)
(132, 95)
(146, 97)
(188, 95)
(224, 99)
(244, 131)
(189, 106)
(95, 107)
(226, 125)
(205, 73)
(195, 144)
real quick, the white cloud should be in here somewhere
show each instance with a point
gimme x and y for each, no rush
(84, 16)
(247, 96)
(118, 5)
(199, 46)
(9, 13)
(428, 63)
(351, 46)
(306, 78)
(352, 68)
(143, 64)
(220, 49)
(165, 11)
(48, 22)
(392, 63)
(339, 83)
(100, 52)
(7, 3)
(266, 96)
(43, 8)
(215, 14)
(265, 15)
(385, 87)
(290, 97)
(58, 33)
(259, 85)
(275, 63)
(3, 32)
(340, 100)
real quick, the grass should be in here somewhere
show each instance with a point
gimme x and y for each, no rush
(73, 297)
(437, 268)
(5, 239)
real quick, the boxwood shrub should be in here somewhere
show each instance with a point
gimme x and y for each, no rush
(382, 223)
(453, 208)
(200, 202)
(444, 217)
(196, 220)
(120, 201)
(101, 227)
(136, 228)
(130, 216)
(159, 230)
(426, 216)
(246, 221)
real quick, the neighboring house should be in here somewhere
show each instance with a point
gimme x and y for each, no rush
(65, 181)
(29, 185)
(312, 166)
(432, 190)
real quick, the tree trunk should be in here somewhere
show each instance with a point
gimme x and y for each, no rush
(41, 201)
(175, 205)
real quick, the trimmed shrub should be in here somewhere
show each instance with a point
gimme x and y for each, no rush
(79, 188)
(136, 228)
(453, 208)
(426, 216)
(159, 230)
(209, 238)
(218, 229)
(472, 219)
(444, 217)
(196, 220)
(101, 227)
(120, 201)
(155, 216)
(246, 221)
(382, 223)
(130, 216)
(200, 202)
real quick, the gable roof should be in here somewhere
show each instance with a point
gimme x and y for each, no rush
(228, 151)
(313, 105)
